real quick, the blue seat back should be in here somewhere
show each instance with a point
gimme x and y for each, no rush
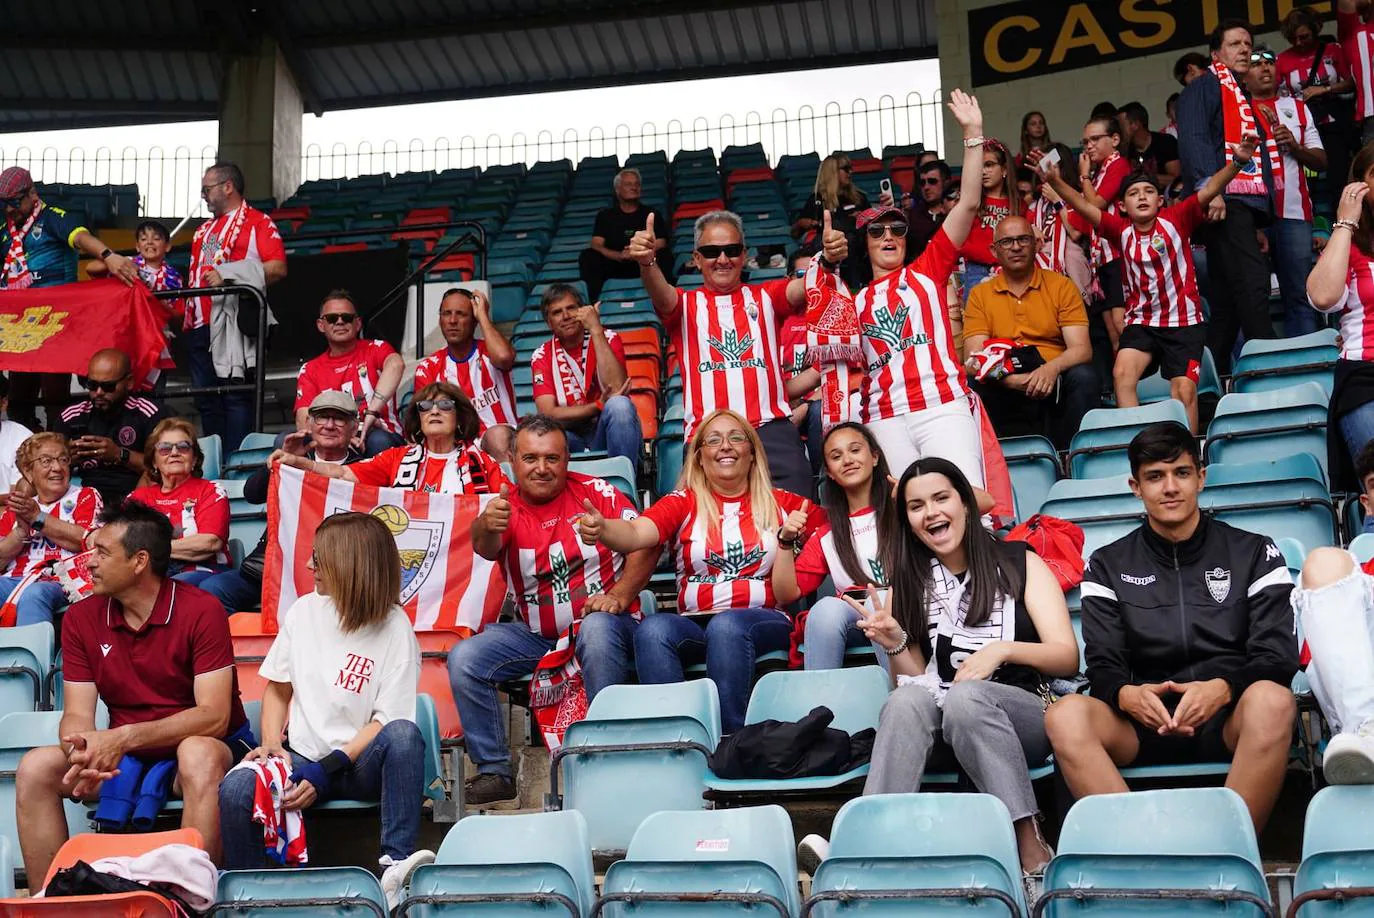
(1337, 849)
(1106, 432)
(1362, 547)
(354, 890)
(614, 470)
(213, 448)
(855, 695)
(26, 653)
(1034, 468)
(533, 852)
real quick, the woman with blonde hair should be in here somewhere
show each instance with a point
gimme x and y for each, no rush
(339, 707)
(728, 524)
(836, 193)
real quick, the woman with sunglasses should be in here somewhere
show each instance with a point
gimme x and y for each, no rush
(997, 200)
(728, 524)
(197, 507)
(856, 494)
(441, 427)
(46, 519)
(1102, 173)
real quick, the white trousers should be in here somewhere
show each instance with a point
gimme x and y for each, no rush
(1337, 621)
(948, 431)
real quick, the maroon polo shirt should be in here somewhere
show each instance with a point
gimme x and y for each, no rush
(149, 674)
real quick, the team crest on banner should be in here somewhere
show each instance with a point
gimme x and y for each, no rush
(1218, 583)
(420, 542)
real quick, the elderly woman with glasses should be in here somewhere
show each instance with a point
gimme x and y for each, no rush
(197, 507)
(46, 519)
(441, 428)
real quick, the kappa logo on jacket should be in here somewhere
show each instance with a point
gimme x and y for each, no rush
(1218, 583)
(1138, 581)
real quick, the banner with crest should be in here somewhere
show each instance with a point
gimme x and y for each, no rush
(444, 584)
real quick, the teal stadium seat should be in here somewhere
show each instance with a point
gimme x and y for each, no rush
(303, 892)
(1155, 388)
(1098, 449)
(26, 653)
(257, 440)
(1104, 508)
(507, 867)
(1337, 869)
(1033, 465)
(213, 448)
(670, 451)
(1285, 497)
(1281, 362)
(616, 471)
(1188, 851)
(640, 749)
(964, 856)
(1362, 547)
(1270, 424)
(740, 860)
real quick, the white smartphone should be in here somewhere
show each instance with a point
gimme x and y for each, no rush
(885, 186)
(1049, 160)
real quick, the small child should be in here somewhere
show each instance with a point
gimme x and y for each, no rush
(153, 241)
(1163, 322)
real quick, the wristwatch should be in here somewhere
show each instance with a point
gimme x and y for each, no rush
(105, 253)
(39, 521)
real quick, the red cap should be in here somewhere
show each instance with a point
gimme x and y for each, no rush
(14, 181)
(877, 213)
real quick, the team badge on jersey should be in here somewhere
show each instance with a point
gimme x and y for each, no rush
(1218, 583)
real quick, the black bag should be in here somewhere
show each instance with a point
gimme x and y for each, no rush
(1339, 106)
(806, 748)
(251, 566)
(81, 879)
(1024, 359)
(248, 316)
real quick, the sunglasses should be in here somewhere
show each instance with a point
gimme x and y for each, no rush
(181, 446)
(429, 404)
(100, 385)
(932, 180)
(711, 252)
(339, 318)
(17, 200)
(878, 230)
(1265, 56)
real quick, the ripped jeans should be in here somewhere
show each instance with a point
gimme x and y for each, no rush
(1337, 621)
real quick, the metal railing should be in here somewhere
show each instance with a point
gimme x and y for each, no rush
(259, 383)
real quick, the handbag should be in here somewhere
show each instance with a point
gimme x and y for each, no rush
(1339, 106)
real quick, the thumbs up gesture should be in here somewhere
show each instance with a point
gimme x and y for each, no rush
(795, 524)
(642, 244)
(834, 243)
(591, 524)
(497, 512)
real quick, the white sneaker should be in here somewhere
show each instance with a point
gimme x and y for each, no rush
(396, 876)
(1349, 757)
(811, 851)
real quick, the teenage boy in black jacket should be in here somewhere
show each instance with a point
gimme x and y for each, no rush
(1189, 639)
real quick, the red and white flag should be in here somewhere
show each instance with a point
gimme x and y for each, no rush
(444, 584)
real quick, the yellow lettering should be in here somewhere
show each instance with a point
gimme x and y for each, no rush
(1069, 38)
(1256, 12)
(1164, 25)
(992, 51)
(1286, 7)
(1210, 16)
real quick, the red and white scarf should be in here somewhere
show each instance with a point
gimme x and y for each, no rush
(1238, 120)
(558, 697)
(220, 244)
(16, 261)
(153, 278)
(1100, 253)
(570, 377)
(833, 340)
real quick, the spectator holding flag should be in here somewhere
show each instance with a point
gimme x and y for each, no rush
(557, 579)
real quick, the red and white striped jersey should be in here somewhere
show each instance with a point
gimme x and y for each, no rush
(197, 506)
(355, 374)
(1291, 198)
(728, 343)
(1295, 68)
(551, 571)
(819, 559)
(79, 506)
(466, 470)
(908, 347)
(488, 387)
(1357, 308)
(1357, 41)
(1050, 221)
(571, 377)
(245, 234)
(1107, 182)
(1158, 275)
(731, 566)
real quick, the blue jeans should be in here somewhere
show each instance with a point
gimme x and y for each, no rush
(40, 602)
(1357, 429)
(505, 651)
(194, 578)
(379, 440)
(230, 415)
(1290, 249)
(391, 769)
(617, 431)
(729, 642)
(974, 274)
(832, 627)
(233, 591)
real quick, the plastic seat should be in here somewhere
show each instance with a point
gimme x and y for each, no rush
(507, 866)
(25, 658)
(1282, 362)
(1098, 449)
(1104, 508)
(742, 858)
(213, 449)
(670, 457)
(855, 696)
(614, 470)
(1198, 844)
(93, 846)
(1270, 424)
(1362, 547)
(20, 732)
(301, 892)
(1155, 388)
(640, 749)
(1337, 853)
(257, 440)
(1279, 497)
(965, 842)
(1034, 468)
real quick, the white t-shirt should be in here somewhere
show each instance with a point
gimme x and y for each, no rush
(340, 682)
(12, 433)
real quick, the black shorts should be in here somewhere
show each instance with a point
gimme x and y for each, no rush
(1173, 351)
(1205, 745)
(1113, 293)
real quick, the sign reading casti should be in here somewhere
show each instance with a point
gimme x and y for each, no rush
(1011, 41)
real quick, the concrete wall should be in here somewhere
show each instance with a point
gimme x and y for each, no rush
(1055, 35)
(260, 122)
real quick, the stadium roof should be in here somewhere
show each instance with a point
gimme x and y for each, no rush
(85, 63)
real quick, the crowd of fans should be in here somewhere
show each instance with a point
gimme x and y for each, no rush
(1037, 284)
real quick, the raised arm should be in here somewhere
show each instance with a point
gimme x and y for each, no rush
(1240, 155)
(624, 536)
(643, 248)
(499, 350)
(959, 222)
(1326, 285)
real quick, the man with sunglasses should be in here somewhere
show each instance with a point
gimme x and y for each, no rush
(928, 210)
(108, 429)
(41, 243)
(1300, 147)
(366, 370)
(235, 232)
(727, 335)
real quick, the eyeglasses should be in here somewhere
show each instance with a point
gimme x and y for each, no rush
(47, 462)
(1014, 242)
(339, 318)
(100, 385)
(1265, 56)
(1094, 138)
(429, 404)
(181, 446)
(932, 180)
(878, 230)
(206, 189)
(736, 438)
(712, 252)
(330, 417)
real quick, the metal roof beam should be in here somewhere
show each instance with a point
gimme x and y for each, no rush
(136, 42)
(107, 107)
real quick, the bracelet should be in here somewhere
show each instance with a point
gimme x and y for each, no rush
(1347, 224)
(906, 639)
(105, 253)
(788, 543)
(971, 142)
